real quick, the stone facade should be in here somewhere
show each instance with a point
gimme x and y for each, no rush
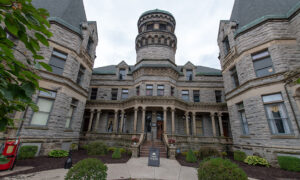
(280, 38)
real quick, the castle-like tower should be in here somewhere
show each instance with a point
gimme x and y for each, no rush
(156, 39)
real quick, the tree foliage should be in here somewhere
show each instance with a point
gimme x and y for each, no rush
(20, 23)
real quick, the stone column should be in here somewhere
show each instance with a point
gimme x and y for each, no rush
(91, 120)
(115, 121)
(135, 120)
(122, 121)
(194, 123)
(220, 124)
(187, 124)
(212, 116)
(165, 120)
(143, 119)
(97, 120)
(173, 121)
(154, 129)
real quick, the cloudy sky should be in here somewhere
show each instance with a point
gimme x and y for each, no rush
(197, 23)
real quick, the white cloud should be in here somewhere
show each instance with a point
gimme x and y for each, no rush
(197, 25)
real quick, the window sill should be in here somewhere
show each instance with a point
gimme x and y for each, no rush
(37, 127)
(245, 136)
(68, 130)
(284, 137)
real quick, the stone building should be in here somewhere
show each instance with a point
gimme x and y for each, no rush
(156, 98)
(260, 59)
(71, 55)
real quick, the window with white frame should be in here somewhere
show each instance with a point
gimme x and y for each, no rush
(71, 113)
(45, 103)
(124, 93)
(57, 62)
(244, 122)
(185, 95)
(160, 90)
(149, 90)
(262, 63)
(276, 114)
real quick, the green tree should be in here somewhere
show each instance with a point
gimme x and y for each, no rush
(18, 76)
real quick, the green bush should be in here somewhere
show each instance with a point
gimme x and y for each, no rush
(220, 169)
(88, 169)
(289, 163)
(184, 153)
(255, 160)
(97, 148)
(111, 149)
(129, 152)
(27, 152)
(116, 154)
(58, 153)
(190, 157)
(206, 152)
(224, 154)
(122, 150)
(239, 156)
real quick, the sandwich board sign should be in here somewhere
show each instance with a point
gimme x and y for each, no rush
(153, 159)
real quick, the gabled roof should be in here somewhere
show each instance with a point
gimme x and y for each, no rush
(70, 13)
(200, 70)
(247, 11)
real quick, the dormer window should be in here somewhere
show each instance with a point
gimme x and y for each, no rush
(122, 73)
(150, 27)
(226, 45)
(189, 74)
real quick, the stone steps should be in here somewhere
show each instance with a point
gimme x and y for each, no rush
(145, 148)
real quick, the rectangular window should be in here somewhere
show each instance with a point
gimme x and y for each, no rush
(80, 74)
(185, 95)
(45, 104)
(124, 93)
(218, 94)
(276, 114)
(196, 94)
(162, 27)
(160, 90)
(137, 89)
(122, 74)
(71, 113)
(189, 74)
(89, 46)
(234, 77)
(114, 94)
(150, 27)
(94, 93)
(57, 62)
(149, 90)
(241, 111)
(172, 90)
(226, 45)
(199, 126)
(262, 63)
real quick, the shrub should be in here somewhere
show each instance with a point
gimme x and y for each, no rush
(122, 150)
(87, 169)
(289, 163)
(74, 146)
(58, 153)
(206, 152)
(111, 149)
(97, 148)
(128, 151)
(224, 154)
(220, 169)
(184, 153)
(255, 160)
(116, 154)
(27, 152)
(190, 157)
(239, 156)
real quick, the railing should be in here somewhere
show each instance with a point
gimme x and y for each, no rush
(141, 141)
(166, 142)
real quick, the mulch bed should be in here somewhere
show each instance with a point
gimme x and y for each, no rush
(43, 163)
(257, 172)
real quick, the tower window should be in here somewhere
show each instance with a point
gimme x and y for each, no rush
(89, 46)
(150, 27)
(80, 74)
(162, 27)
(137, 90)
(234, 77)
(241, 110)
(94, 93)
(114, 94)
(262, 63)
(57, 62)
(172, 91)
(149, 90)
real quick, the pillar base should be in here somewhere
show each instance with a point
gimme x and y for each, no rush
(172, 152)
(135, 151)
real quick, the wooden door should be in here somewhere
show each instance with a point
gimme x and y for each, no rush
(159, 129)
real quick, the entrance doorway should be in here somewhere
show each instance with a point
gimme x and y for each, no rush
(159, 129)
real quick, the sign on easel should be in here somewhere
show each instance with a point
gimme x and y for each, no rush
(153, 159)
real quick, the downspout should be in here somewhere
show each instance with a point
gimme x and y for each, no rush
(292, 107)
